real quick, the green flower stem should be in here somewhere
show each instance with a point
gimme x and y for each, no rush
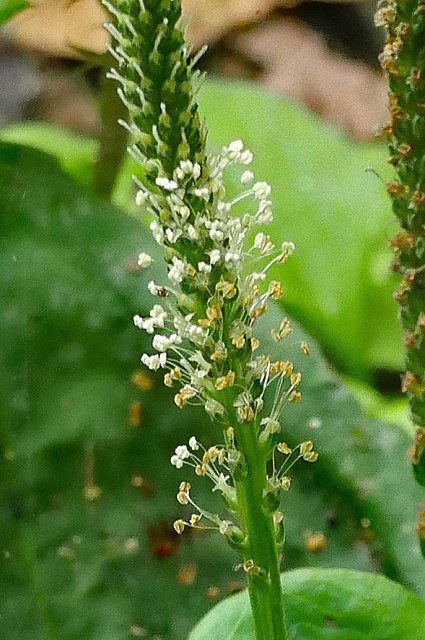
(265, 591)
(112, 140)
(210, 308)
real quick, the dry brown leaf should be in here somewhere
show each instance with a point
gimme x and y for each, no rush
(211, 19)
(60, 28)
(65, 28)
(298, 64)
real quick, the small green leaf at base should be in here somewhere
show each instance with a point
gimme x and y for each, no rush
(327, 604)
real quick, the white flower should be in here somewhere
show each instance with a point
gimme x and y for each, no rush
(186, 166)
(246, 177)
(215, 230)
(232, 258)
(265, 212)
(193, 443)
(158, 313)
(262, 242)
(261, 190)
(203, 267)
(196, 170)
(157, 231)
(141, 198)
(287, 248)
(246, 157)
(156, 319)
(202, 192)
(235, 147)
(255, 277)
(223, 207)
(214, 256)
(153, 288)
(162, 343)
(197, 334)
(148, 325)
(165, 183)
(181, 453)
(144, 260)
(172, 234)
(154, 362)
(177, 271)
(191, 232)
(184, 212)
(138, 321)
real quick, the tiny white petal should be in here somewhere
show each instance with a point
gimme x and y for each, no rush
(138, 321)
(261, 190)
(246, 177)
(235, 146)
(141, 198)
(288, 248)
(193, 443)
(214, 256)
(144, 260)
(165, 183)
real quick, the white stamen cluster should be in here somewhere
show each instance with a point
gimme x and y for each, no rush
(209, 225)
(279, 479)
(216, 463)
(206, 246)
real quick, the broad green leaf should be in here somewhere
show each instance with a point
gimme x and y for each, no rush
(9, 8)
(323, 604)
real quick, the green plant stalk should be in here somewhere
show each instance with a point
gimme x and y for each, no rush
(112, 140)
(265, 589)
(403, 60)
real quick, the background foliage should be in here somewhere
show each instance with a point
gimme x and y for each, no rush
(74, 417)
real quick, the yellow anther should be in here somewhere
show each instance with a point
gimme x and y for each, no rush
(295, 397)
(179, 526)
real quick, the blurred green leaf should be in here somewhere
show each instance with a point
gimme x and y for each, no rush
(337, 284)
(76, 154)
(392, 410)
(327, 604)
(9, 8)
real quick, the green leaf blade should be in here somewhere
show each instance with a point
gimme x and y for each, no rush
(327, 604)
